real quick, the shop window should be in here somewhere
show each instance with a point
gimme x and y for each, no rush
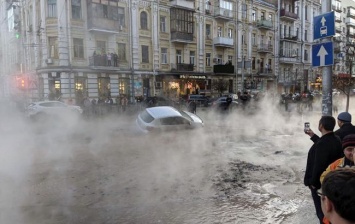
(104, 87)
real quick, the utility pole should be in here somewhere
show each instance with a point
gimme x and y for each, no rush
(327, 73)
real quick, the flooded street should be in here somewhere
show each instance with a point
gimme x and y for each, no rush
(238, 169)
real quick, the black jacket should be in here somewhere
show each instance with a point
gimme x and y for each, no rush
(345, 130)
(323, 152)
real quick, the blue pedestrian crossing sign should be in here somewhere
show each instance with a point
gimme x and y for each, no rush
(322, 54)
(324, 25)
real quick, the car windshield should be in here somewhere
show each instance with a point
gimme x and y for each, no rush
(185, 115)
(146, 117)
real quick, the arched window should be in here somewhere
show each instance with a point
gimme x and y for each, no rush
(144, 20)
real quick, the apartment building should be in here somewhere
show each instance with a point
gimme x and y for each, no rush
(99, 48)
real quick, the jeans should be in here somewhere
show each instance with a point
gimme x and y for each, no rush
(317, 205)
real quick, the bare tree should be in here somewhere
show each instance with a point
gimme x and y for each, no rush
(220, 85)
(344, 83)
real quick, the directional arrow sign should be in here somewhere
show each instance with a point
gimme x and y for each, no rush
(324, 25)
(322, 54)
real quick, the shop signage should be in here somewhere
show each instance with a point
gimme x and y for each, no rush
(193, 77)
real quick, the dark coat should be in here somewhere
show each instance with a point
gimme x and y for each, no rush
(345, 130)
(323, 152)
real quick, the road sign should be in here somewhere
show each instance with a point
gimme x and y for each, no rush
(324, 25)
(322, 54)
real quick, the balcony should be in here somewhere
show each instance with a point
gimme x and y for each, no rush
(264, 24)
(223, 42)
(289, 38)
(290, 60)
(223, 68)
(264, 71)
(338, 19)
(351, 33)
(181, 37)
(103, 25)
(338, 28)
(221, 13)
(265, 48)
(338, 39)
(350, 22)
(101, 60)
(286, 15)
(337, 8)
(183, 4)
(181, 67)
(351, 13)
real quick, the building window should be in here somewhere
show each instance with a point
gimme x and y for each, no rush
(253, 15)
(52, 8)
(208, 59)
(192, 57)
(76, 9)
(208, 31)
(305, 35)
(121, 16)
(230, 33)
(164, 55)
(219, 59)
(253, 63)
(124, 86)
(262, 16)
(121, 48)
(54, 86)
(145, 54)
(105, 11)
(144, 20)
(305, 55)
(230, 59)
(178, 57)
(253, 39)
(270, 17)
(78, 48)
(219, 31)
(181, 21)
(244, 11)
(53, 47)
(305, 13)
(162, 24)
(104, 87)
(100, 47)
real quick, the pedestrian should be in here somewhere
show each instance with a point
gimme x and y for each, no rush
(109, 59)
(192, 107)
(338, 196)
(345, 126)
(325, 150)
(124, 102)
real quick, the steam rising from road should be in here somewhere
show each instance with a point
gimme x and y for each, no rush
(102, 170)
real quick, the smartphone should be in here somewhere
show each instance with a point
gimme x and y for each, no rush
(306, 126)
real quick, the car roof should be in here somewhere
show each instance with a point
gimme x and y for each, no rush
(163, 111)
(49, 101)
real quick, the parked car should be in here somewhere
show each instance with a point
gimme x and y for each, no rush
(166, 118)
(200, 100)
(54, 109)
(224, 103)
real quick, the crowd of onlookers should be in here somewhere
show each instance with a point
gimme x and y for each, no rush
(104, 59)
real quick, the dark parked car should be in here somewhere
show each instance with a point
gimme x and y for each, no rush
(200, 100)
(224, 103)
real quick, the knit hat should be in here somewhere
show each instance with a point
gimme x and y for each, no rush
(344, 116)
(348, 140)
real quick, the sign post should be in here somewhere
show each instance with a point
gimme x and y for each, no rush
(323, 55)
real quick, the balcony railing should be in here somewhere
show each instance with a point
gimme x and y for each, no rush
(288, 15)
(291, 60)
(265, 71)
(177, 36)
(289, 37)
(264, 48)
(183, 3)
(223, 13)
(228, 68)
(351, 13)
(101, 60)
(338, 28)
(264, 24)
(337, 8)
(181, 67)
(223, 41)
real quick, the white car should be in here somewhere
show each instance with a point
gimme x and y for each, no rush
(167, 118)
(51, 108)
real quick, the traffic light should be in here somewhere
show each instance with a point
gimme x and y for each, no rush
(21, 82)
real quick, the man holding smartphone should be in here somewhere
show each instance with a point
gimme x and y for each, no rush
(325, 150)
